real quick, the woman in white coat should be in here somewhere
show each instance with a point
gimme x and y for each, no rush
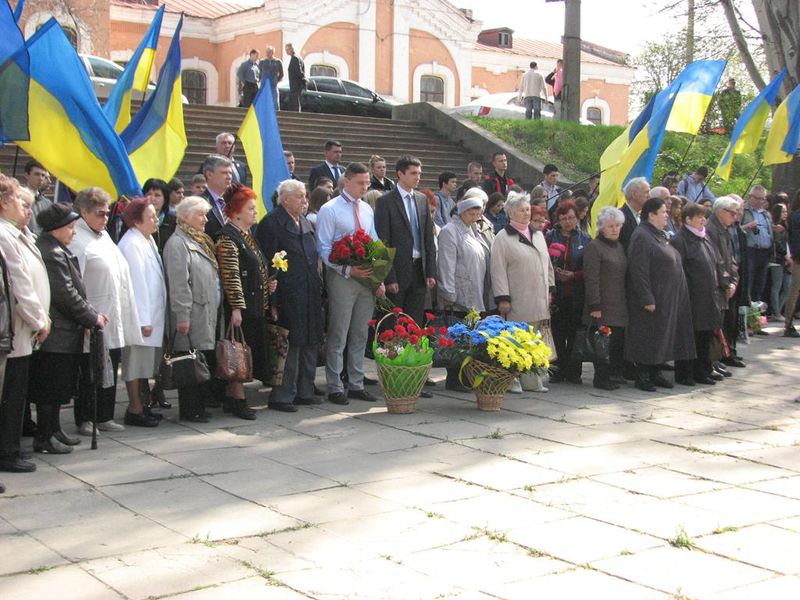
(110, 291)
(140, 361)
(31, 290)
(522, 273)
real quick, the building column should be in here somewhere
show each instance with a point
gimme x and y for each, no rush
(402, 46)
(366, 20)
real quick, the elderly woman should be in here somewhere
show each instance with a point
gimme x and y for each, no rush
(31, 291)
(700, 262)
(54, 369)
(246, 283)
(299, 296)
(110, 291)
(140, 361)
(604, 269)
(659, 315)
(195, 299)
(462, 266)
(522, 273)
(568, 312)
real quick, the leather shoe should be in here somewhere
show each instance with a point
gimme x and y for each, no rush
(241, 410)
(735, 361)
(618, 379)
(319, 391)
(282, 407)
(430, 383)
(457, 387)
(298, 401)
(65, 439)
(361, 395)
(139, 420)
(704, 379)
(792, 333)
(17, 465)
(51, 446)
(338, 398)
(662, 381)
(370, 381)
(645, 385)
(157, 399)
(720, 368)
(197, 418)
(605, 385)
(715, 376)
(424, 394)
(685, 381)
(147, 411)
(2, 488)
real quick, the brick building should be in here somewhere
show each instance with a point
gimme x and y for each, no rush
(410, 51)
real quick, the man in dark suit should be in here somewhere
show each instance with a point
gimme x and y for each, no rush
(225, 143)
(330, 168)
(403, 222)
(217, 170)
(297, 79)
(289, 156)
(636, 191)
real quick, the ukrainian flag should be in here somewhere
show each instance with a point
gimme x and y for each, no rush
(784, 133)
(750, 125)
(156, 138)
(69, 134)
(136, 75)
(261, 140)
(698, 82)
(14, 79)
(18, 10)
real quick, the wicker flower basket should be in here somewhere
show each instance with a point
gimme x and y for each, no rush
(401, 385)
(491, 391)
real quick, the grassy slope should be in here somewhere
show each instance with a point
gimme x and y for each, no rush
(576, 150)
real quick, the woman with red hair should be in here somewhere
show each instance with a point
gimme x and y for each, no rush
(140, 361)
(245, 281)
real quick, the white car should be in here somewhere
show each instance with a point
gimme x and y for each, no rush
(503, 106)
(104, 73)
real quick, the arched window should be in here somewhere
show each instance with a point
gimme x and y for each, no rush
(594, 114)
(431, 89)
(194, 86)
(323, 71)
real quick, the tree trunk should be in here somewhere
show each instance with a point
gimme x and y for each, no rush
(741, 43)
(690, 32)
(779, 21)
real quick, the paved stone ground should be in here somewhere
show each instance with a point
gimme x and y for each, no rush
(574, 494)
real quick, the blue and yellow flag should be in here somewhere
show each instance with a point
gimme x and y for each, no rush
(156, 137)
(69, 133)
(750, 125)
(136, 75)
(18, 10)
(14, 78)
(261, 140)
(783, 139)
(698, 82)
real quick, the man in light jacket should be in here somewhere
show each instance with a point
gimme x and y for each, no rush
(531, 89)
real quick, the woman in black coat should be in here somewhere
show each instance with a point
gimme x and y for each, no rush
(700, 266)
(659, 316)
(299, 294)
(54, 370)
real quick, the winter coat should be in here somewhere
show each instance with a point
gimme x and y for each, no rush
(655, 276)
(604, 269)
(700, 266)
(522, 274)
(147, 275)
(463, 257)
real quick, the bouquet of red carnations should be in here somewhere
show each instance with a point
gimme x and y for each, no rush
(360, 250)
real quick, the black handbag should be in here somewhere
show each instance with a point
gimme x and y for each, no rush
(182, 369)
(590, 344)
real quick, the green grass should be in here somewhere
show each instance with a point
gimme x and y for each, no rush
(682, 540)
(576, 150)
(720, 530)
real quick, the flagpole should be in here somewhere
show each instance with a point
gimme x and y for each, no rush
(16, 159)
(574, 185)
(685, 154)
(758, 170)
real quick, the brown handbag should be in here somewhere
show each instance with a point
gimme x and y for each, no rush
(234, 358)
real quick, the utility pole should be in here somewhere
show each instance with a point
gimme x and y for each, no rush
(571, 94)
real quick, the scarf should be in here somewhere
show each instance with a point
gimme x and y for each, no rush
(698, 232)
(522, 229)
(202, 239)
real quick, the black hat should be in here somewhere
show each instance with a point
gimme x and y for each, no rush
(56, 215)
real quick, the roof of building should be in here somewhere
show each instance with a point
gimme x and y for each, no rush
(203, 9)
(540, 49)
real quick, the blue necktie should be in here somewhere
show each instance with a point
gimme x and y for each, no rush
(414, 222)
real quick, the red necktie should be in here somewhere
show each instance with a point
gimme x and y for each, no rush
(355, 214)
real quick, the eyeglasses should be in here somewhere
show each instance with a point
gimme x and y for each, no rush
(102, 213)
(730, 211)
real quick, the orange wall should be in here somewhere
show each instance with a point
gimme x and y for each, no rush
(340, 39)
(384, 46)
(504, 82)
(93, 14)
(426, 48)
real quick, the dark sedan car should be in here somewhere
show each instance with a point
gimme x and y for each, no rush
(338, 96)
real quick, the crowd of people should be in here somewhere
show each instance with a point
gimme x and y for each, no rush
(664, 277)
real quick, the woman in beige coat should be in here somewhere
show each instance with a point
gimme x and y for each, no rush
(522, 273)
(31, 290)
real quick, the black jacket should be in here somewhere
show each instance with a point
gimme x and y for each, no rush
(215, 218)
(320, 171)
(249, 273)
(628, 227)
(297, 73)
(700, 267)
(299, 294)
(70, 312)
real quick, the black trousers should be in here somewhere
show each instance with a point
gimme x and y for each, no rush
(106, 397)
(294, 99)
(700, 366)
(249, 92)
(192, 400)
(412, 298)
(12, 406)
(565, 321)
(616, 353)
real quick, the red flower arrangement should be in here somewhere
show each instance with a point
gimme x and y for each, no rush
(604, 330)
(360, 250)
(406, 344)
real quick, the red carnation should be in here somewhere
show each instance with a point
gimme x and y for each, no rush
(429, 316)
(443, 342)
(414, 339)
(400, 330)
(386, 335)
(371, 322)
(360, 252)
(443, 330)
(397, 310)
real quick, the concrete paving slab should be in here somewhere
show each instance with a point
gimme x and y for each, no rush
(503, 474)
(658, 482)
(738, 506)
(421, 490)
(726, 469)
(778, 587)
(252, 587)
(332, 504)
(578, 583)
(22, 553)
(68, 583)
(496, 511)
(763, 546)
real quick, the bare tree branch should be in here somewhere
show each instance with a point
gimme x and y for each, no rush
(741, 44)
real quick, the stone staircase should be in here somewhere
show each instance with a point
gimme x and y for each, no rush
(305, 134)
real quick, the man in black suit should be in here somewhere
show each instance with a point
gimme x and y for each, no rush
(403, 222)
(330, 168)
(636, 191)
(224, 146)
(297, 79)
(217, 170)
(289, 156)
